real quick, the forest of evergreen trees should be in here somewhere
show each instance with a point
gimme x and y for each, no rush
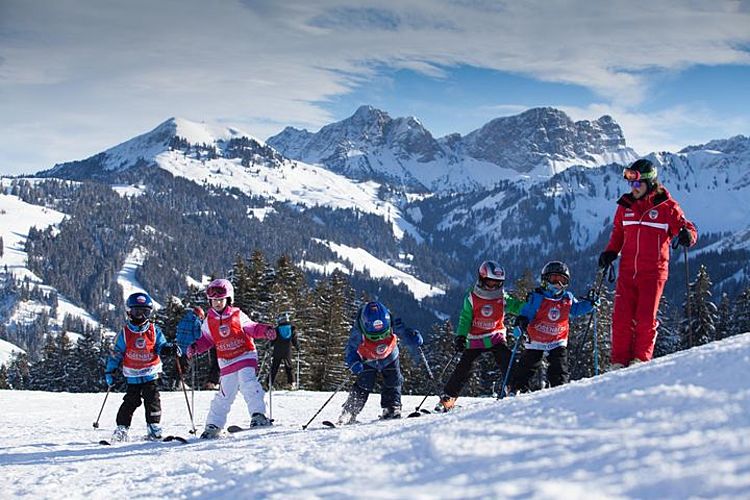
(323, 314)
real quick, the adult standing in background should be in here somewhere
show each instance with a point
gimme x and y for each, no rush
(646, 220)
(286, 336)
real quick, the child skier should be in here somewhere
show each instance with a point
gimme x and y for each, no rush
(188, 331)
(232, 332)
(546, 319)
(373, 348)
(138, 348)
(480, 329)
(286, 336)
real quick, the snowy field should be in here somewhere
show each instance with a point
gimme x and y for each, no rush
(678, 427)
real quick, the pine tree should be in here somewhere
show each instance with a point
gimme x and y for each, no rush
(19, 377)
(741, 316)
(724, 317)
(703, 312)
(583, 353)
(668, 338)
(331, 312)
(87, 374)
(4, 384)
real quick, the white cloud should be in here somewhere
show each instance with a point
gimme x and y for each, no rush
(84, 75)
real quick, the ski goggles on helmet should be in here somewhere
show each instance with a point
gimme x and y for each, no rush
(216, 292)
(139, 313)
(378, 335)
(490, 284)
(634, 175)
(557, 279)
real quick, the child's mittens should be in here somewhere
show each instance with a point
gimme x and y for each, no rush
(357, 367)
(168, 349)
(415, 337)
(522, 322)
(109, 379)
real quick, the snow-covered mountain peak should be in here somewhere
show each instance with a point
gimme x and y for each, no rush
(738, 144)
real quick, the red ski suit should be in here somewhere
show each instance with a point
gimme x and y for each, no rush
(642, 232)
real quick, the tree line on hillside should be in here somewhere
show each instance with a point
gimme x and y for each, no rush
(323, 314)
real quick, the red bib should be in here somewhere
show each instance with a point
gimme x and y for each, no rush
(140, 353)
(552, 321)
(377, 349)
(488, 315)
(228, 336)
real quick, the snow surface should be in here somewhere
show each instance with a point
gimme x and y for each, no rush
(678, 427)
(6, 351)
(363, 261)
(126, 277)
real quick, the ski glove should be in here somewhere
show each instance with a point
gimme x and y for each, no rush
(109, 379)
(357, 367)
(684, 237)
(592, 297)
(522, 322)
(459, 343)
(416, 337)
(607, 258)
(168, 349)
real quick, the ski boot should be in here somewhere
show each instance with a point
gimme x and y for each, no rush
(154, 432)
(259, 420)
(347, 418)
(616, 366)
(391, 413)
(210, 386)
(211, 432)
(120, 434)
(445, 404)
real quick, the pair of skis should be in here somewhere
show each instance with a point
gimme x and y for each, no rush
(165, 439)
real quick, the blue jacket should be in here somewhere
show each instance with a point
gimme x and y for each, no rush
(412, 339)
(118, 351)
(188, 330)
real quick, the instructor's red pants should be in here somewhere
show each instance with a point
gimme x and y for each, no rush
(634, 317)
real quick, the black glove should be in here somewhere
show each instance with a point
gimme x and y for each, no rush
(607, 258)
(168, 349)
(684, 237)
(459, 343)
(522, 322)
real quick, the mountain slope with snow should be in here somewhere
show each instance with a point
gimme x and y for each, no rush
(536, 144)
(677, 427)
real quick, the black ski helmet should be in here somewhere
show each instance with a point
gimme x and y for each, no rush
(646, 170)
(555, 267)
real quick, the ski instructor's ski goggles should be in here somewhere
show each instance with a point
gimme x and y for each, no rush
(631, 175)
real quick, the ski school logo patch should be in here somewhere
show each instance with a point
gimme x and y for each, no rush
(487, 310)
(140, 342)
(553, 314)
(224, 330)
(653, 214)
(380, 349)
(377, 325)
(141, 299)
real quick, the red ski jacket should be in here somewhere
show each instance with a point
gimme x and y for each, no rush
(643, 230)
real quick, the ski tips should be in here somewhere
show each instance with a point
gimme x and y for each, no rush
(328, 423)
(414, 414)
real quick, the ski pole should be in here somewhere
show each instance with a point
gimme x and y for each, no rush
(434, 382)
(298, 385)
(517, 333)
(596, 348)
(688, 306)
(96, 424)
(192, 382)
(270, 397)
(184, 391)
(338, 388)
(597, 291)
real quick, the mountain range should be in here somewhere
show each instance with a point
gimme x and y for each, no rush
(521, 189)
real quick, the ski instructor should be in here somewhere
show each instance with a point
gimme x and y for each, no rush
(645, 222)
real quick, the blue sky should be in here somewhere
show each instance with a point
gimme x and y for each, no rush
(81, 76)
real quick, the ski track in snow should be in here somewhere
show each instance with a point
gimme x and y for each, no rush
(678, 427)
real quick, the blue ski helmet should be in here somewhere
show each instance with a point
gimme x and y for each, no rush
(139, 306)
(375, 321)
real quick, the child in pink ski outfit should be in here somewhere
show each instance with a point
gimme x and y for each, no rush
(232, 332)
